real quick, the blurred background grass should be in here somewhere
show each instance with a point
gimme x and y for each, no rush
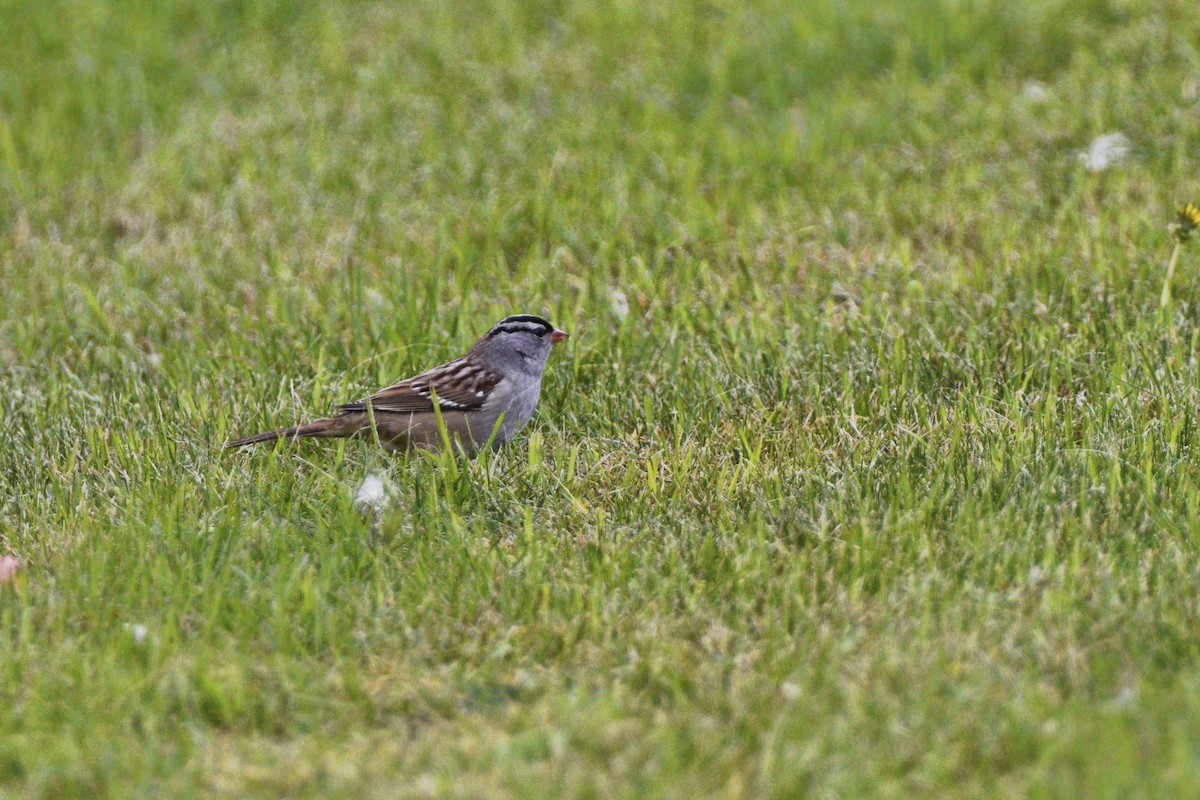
(936, 540)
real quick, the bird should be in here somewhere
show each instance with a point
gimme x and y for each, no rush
(489, 394)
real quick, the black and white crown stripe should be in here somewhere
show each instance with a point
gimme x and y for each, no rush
(522, 323)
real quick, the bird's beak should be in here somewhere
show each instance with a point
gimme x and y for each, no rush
(559, 336)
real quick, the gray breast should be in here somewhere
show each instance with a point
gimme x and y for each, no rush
(517, 400)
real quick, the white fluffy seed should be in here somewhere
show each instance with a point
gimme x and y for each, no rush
(1104, 151)
(619, 303)
(372, 493)
(137, 632)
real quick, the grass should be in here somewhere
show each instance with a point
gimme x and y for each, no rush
(940, 540)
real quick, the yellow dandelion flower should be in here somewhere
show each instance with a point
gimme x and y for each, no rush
(1187, 220)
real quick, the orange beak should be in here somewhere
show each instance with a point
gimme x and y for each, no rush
(559, 336)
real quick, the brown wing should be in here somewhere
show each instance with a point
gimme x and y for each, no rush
(459, 386)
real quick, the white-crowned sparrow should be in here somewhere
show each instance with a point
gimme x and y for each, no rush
(500, 375)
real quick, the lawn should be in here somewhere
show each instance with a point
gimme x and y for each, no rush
(869, 469)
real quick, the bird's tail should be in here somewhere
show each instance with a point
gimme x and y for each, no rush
(333, 426)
